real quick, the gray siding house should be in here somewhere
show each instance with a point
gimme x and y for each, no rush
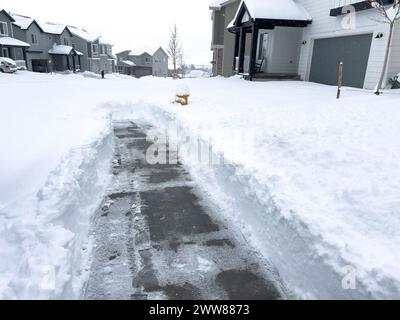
(302, 39)
(48, 47)
(223, 41)
(11, 47)
(98, 53)
(28, 30)
(160, 63)
(140, 64)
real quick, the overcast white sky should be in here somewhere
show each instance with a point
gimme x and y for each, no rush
(130, 24)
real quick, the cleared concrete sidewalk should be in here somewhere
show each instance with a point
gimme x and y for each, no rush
(157, 238)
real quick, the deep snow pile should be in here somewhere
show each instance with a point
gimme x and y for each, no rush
(322, 174)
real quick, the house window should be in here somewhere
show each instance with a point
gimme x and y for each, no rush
(4, 53)
(102, 50)
(148, 60)
(66, 42)
(95, 50)
(73, 45)
(34, 39)
(3, 29)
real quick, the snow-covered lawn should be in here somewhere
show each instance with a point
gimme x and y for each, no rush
(323, 172)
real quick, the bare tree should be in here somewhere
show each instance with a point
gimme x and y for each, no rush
(390, 16)
(174, 49)
(182, 65)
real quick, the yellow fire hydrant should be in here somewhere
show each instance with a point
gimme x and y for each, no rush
(182, 94)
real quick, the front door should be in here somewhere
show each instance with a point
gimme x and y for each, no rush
(262, 52)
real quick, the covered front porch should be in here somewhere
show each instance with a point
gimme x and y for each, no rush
(14, 49)
(268, 40)
(65, 58)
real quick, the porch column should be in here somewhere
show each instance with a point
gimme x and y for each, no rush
(253, 56)
(236, 53)
(73, 62)
(79, 61)
(68, 64)
(242, 47)
(25, 57)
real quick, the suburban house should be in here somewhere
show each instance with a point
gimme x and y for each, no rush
(302, 39)
(48, 47)
(160, 63)
(98, 51)
(10, 47)
(142, 63)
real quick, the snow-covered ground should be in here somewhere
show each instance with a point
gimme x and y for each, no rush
(314, 181)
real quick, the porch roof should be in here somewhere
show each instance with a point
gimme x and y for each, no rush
(282, 12)
(64, 50)
(128, 63)
(11, 42)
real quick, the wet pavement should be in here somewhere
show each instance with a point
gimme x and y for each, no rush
(156, 237)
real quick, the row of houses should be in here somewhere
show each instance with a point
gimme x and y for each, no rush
(48, 47)
(304, 39)
(143, 62)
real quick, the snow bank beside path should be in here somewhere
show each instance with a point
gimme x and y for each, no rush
(56, 150)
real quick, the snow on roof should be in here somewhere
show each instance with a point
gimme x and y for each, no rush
(277, 10)
(129, 63)
(146, 49)
(52, 28)
(83, 34)
(62, 50)
(7, 41)
(22, 21)
(139, 52)
(105, 41)
(216, 5)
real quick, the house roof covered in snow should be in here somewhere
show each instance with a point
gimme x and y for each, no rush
(139, 52)
(64, 50)
(217, 5)
(22, 21)
(275, 10)
(11, 42)
(83, 34)
(151, 50)
(128, 63)
(52, 28)
(103, 40)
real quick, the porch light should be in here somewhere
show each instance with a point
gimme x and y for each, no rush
(379, 35)
(304, 43)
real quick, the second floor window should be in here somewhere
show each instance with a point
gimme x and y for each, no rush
(148, 60)
(34, 39)
(102, 50)
(66, 42)
(95, 50)
(3, 29)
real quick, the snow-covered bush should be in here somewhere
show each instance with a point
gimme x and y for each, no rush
(395, 81)
(88, 74)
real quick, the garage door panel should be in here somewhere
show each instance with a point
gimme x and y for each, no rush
(353, 51)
